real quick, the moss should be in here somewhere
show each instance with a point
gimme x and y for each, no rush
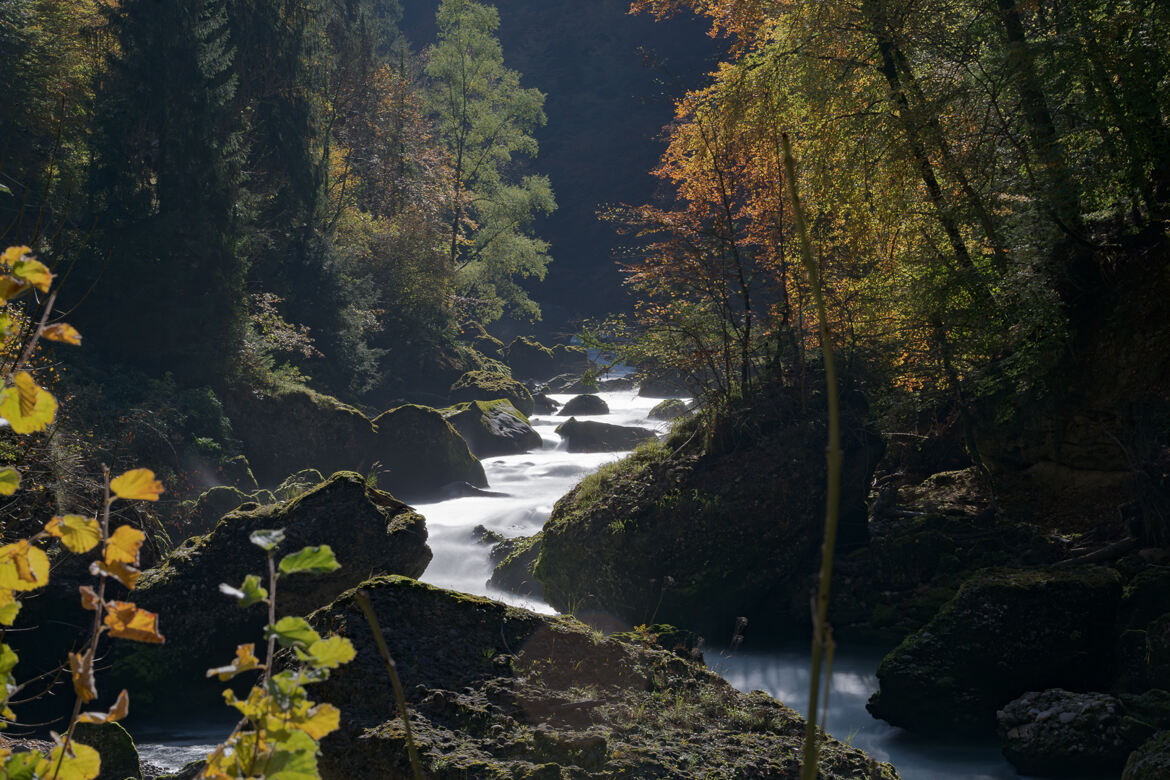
(421, 453)
(486, 386)
(116, 748)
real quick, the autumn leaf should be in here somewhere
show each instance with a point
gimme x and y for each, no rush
(10, 288)
(84, 685)
(26, 407)
(320, 721)
(245, 661)
(328, 653)
(89, 597)
(81, 762)
(79, 534)
(13, 254)
(9, 607)
(62, 332)
(120, 710)
(123, 545)
(138, 484)
(127, 575)
(126, 621)
(9, 481)
(23, 566)
(33, 272)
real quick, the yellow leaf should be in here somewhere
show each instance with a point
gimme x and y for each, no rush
(120, 709)
(79, 534)
(34, 272)
(127, 575)
(322, 719)
(9, 481)
(123, 545)
(245, 661)
(13, 254)
(26, 407)
(64, 332)
(80, 762)
(9, 607)
(81, 665)
(89, 597)
(127, 621)
(137, 484)
(10, 288)
(23, 566)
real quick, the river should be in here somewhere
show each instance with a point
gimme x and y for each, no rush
(532, 483)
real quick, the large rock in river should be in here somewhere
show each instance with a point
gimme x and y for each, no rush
(493, 428)
(490, 386)
(370, 532)
(530, 359)
(590, 436)
(584, 405)
(1006, 632)
(499, 692)
(422, 453)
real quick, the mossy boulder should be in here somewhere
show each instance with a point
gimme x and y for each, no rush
(473, 333)
(298, 428)
(369, 531)
(116, 748)
(1006, 632)
(1057, 733)
(670, 409)
(530, 359)
(493, 428)
(488, 386)
(201, 515)
(237, 472)
(1151, 761)
(421, 453)
(699, 533)
(499, 692)
(515, 560)
(590, 436)
(584, 405)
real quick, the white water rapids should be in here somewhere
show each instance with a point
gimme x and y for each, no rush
(532, 484)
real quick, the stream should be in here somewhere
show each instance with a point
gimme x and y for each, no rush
(532, 483)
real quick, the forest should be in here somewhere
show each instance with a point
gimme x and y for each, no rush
(617, 388)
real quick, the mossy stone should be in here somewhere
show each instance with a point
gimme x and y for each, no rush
(493, 428)
(487, 386)
(116, 748)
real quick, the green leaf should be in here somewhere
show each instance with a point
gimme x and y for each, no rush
(268, 539)
(294, 759)
(4, 189)
(8, 613)
(291, 631)
(328, 653)
(311, 560)
(22, 766)
(248, 594)
(9, 481)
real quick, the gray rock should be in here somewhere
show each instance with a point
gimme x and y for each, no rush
(493, 428)
(584, 405)
(589, 436)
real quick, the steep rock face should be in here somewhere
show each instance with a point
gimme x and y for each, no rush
(490, 386)
(422, 453)
(1004, 633)
(369, 531)
(493, 428)
(499, 692)
(700, 535)
(590, 436)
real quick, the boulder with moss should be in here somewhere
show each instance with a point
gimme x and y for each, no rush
(591, 436)
(1006, 632)
(476, 335)
(714, 525)
(370, 532)
(115, 748)
(421, 453)
(670, 409)
(489, 386)
(499, 692)
(493, 428)
(529, 359)
(584, 405)
(515, 559)
(200, 515)
(1151, 761)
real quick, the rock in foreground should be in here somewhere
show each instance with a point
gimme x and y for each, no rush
(1004, 633)
(369, 531)
(499, 692)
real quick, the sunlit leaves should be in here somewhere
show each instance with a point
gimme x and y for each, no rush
(33, 272)
(81, 668)
(25, 406)
(123, 545)
(9, 607)
(89, 597)
(80, 762)
(23, 566)
(251, 592)
(291, 631)
(245, 661)
(79, 534)
(63, 332)
(267, 539)
(311, 560)
(328, 653)
(127, 575)
(9, 481)
(138, 484)
(116, 713)
(127, 621)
